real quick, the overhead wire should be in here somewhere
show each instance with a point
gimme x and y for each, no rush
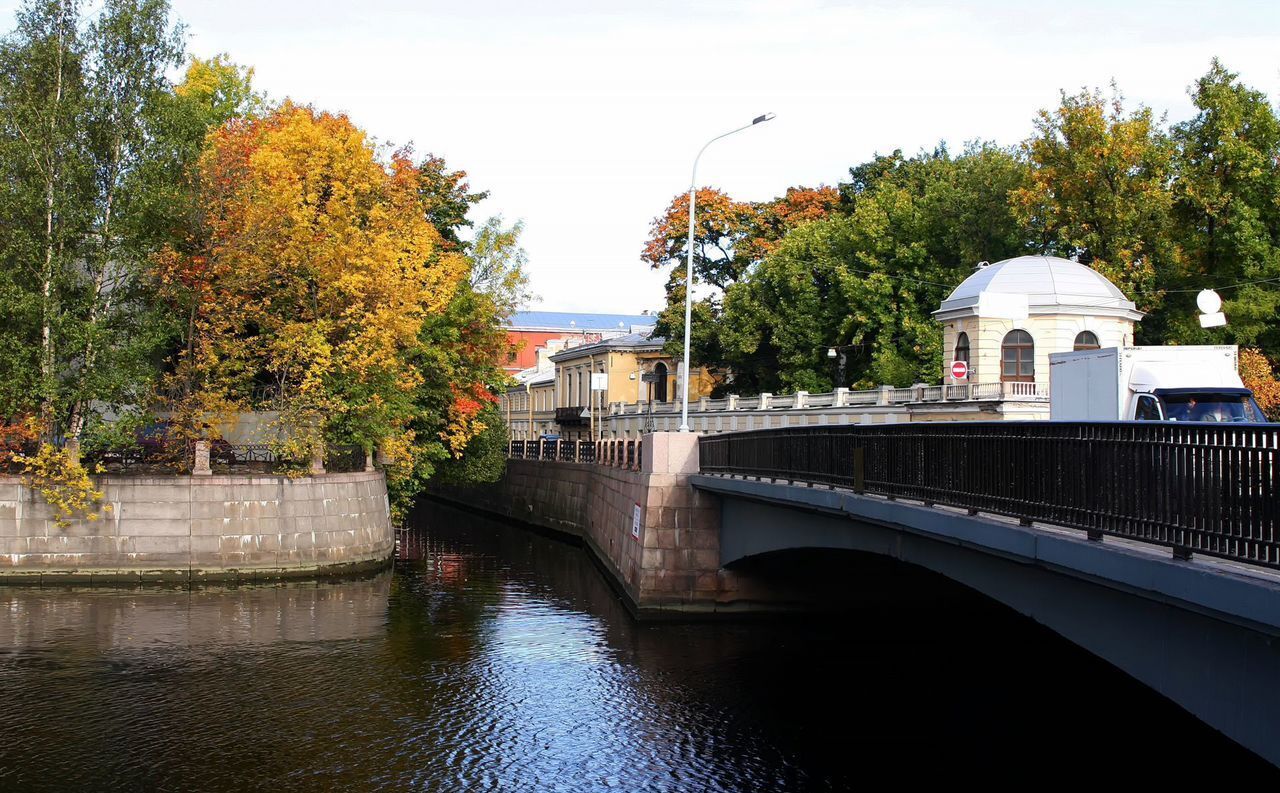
(1229, 286)
(1103, 300)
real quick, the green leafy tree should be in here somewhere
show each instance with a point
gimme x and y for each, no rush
(1100, 192)
(1227, 211)
(43, 199)
(730, 239)
(78, 101)
(868, 279)
(448, 198)
(498, 265)
(130, 46)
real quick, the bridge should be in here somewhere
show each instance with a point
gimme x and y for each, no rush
(1152, 545)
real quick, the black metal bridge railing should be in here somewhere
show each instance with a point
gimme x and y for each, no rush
(1198, 488)
(615, 452)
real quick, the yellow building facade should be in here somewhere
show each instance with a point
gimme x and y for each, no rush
(561, 401)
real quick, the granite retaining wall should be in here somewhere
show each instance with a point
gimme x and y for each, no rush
(200, 527)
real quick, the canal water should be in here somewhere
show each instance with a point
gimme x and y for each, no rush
(493, 658)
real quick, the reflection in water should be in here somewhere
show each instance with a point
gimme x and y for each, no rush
(496, 659)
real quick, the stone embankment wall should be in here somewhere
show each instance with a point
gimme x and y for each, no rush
(671, 563)
(200, 527)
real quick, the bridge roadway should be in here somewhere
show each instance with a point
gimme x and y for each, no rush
(1203, 632)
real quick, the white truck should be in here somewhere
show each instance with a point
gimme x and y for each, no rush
(1192, 383)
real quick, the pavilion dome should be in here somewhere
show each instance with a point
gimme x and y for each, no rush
(1051, 286)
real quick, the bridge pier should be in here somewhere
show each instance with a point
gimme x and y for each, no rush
(656, 537)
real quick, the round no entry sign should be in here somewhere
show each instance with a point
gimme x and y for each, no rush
(959, 370)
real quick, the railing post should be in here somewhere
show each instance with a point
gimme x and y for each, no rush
(765, 398)
(802, 399)
(840, 398)
(200, 465)
(317, 462)
(702, 404)
(731, 402)
(885, 397)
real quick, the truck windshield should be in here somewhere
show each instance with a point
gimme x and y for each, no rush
(1211, 407)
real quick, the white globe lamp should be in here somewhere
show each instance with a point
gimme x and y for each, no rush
(1210, 305)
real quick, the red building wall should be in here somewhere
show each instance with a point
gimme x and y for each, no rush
(524, 345)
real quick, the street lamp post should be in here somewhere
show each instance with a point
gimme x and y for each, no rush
(831, 353)
(688, 280)
(839, 351)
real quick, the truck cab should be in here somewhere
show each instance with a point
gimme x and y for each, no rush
(1198, 404)
(1170, 383)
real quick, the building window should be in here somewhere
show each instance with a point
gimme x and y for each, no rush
(1018, 358)
(660, 387)
(962, 347)
(1086, 340)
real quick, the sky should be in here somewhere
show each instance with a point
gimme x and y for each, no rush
(582, 117)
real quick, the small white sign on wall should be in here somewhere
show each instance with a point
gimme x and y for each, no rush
(599, 381)
(635, 523)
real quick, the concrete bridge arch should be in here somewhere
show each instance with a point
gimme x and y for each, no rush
(1202, 632)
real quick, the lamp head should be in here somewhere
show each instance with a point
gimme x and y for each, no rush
(759, 119)
(1208, 301)
(831, 352)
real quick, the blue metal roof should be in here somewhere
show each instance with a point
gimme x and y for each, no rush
(631, 340)
(570, 321)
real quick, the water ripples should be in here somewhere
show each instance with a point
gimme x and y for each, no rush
(494, 660)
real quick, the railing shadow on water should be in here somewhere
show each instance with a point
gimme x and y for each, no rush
(1210, 489)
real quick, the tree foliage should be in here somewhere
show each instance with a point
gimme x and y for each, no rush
(1258, 373)
(498, 264)
(316, 267)
(1099, 192)
(867, 279)
(1227, 211)
(318, 285)
(730, 239)
(80, 133)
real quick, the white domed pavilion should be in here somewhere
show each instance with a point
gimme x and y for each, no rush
(1007, 317)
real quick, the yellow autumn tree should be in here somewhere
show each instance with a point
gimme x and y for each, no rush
(1259, 376)
(314, 270)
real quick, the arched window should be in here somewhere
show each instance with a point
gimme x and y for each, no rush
(1086, 340)
(660, 387)
(1018, 357)
(962, 347)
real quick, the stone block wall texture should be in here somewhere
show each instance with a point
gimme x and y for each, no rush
(674, 563)
(191, 527)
